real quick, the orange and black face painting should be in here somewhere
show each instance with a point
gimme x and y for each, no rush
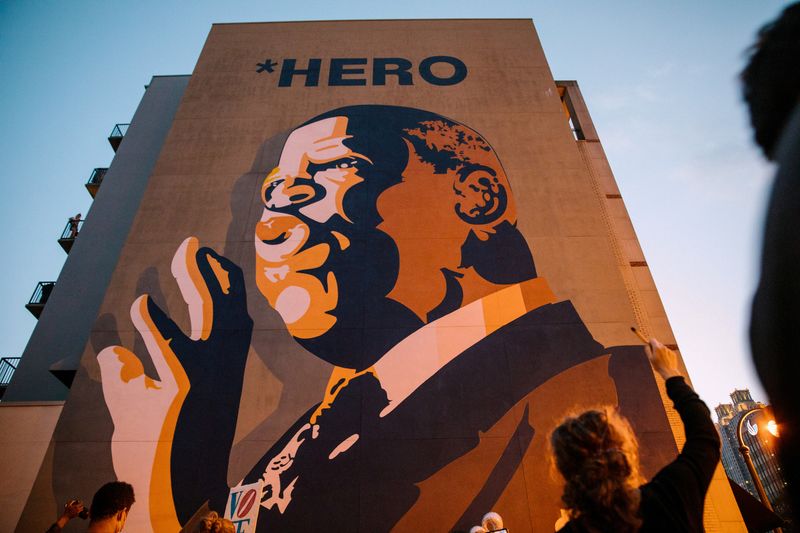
(372, 347)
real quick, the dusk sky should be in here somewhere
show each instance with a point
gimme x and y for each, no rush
(660, 81)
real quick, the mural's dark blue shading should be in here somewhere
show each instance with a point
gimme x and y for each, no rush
(501, 474)
(453, 298)
(215, 369)
(504, 258)
(436, 425)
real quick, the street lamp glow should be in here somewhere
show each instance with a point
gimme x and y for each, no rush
(772, 427)
(744, 449)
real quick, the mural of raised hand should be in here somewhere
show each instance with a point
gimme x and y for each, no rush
(165, 422)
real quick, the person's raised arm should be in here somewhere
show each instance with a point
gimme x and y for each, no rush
(71, 510)
(701, 451)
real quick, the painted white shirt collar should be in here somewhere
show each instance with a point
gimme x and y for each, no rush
(418, 357)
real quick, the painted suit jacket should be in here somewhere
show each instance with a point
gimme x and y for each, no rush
(353, 470)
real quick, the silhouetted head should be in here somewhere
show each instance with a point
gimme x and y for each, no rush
(771, 79)
(112, 502)
(383, 218)
(596, 453)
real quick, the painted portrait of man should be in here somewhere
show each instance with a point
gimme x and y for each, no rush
(388, 244)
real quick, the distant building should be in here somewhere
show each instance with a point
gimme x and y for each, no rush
(758, 433)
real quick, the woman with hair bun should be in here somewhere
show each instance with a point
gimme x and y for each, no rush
(597, 454)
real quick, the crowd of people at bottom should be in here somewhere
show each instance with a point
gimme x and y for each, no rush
(596, 452)
(109, 510)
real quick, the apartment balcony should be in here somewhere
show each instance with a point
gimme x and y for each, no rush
(117, 134)
(7, 367)
(70, 233)
(39, 298)
(95, 180)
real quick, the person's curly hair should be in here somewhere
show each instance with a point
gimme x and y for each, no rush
(597, 454)
(771, 79)
(110, 499)
(214, 523)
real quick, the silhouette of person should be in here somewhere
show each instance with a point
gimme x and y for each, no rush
(73, 225)
(771, 87)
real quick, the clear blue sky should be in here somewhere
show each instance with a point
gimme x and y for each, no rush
(659, 79)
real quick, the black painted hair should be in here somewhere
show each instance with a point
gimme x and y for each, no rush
(381, 131)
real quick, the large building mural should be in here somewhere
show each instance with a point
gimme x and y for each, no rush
(374, 284)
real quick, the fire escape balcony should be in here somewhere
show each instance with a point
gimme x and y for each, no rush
(69, 234)
(95, 180)
(7, 367)
(39, 298)
(117, 134)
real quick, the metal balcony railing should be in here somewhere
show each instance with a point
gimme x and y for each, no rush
(70, 232)
(117, 134)
(95, 180)
(39, 298)
(7, 367)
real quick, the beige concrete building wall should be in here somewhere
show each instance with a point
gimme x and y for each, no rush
(24, 443)
(721, 513)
